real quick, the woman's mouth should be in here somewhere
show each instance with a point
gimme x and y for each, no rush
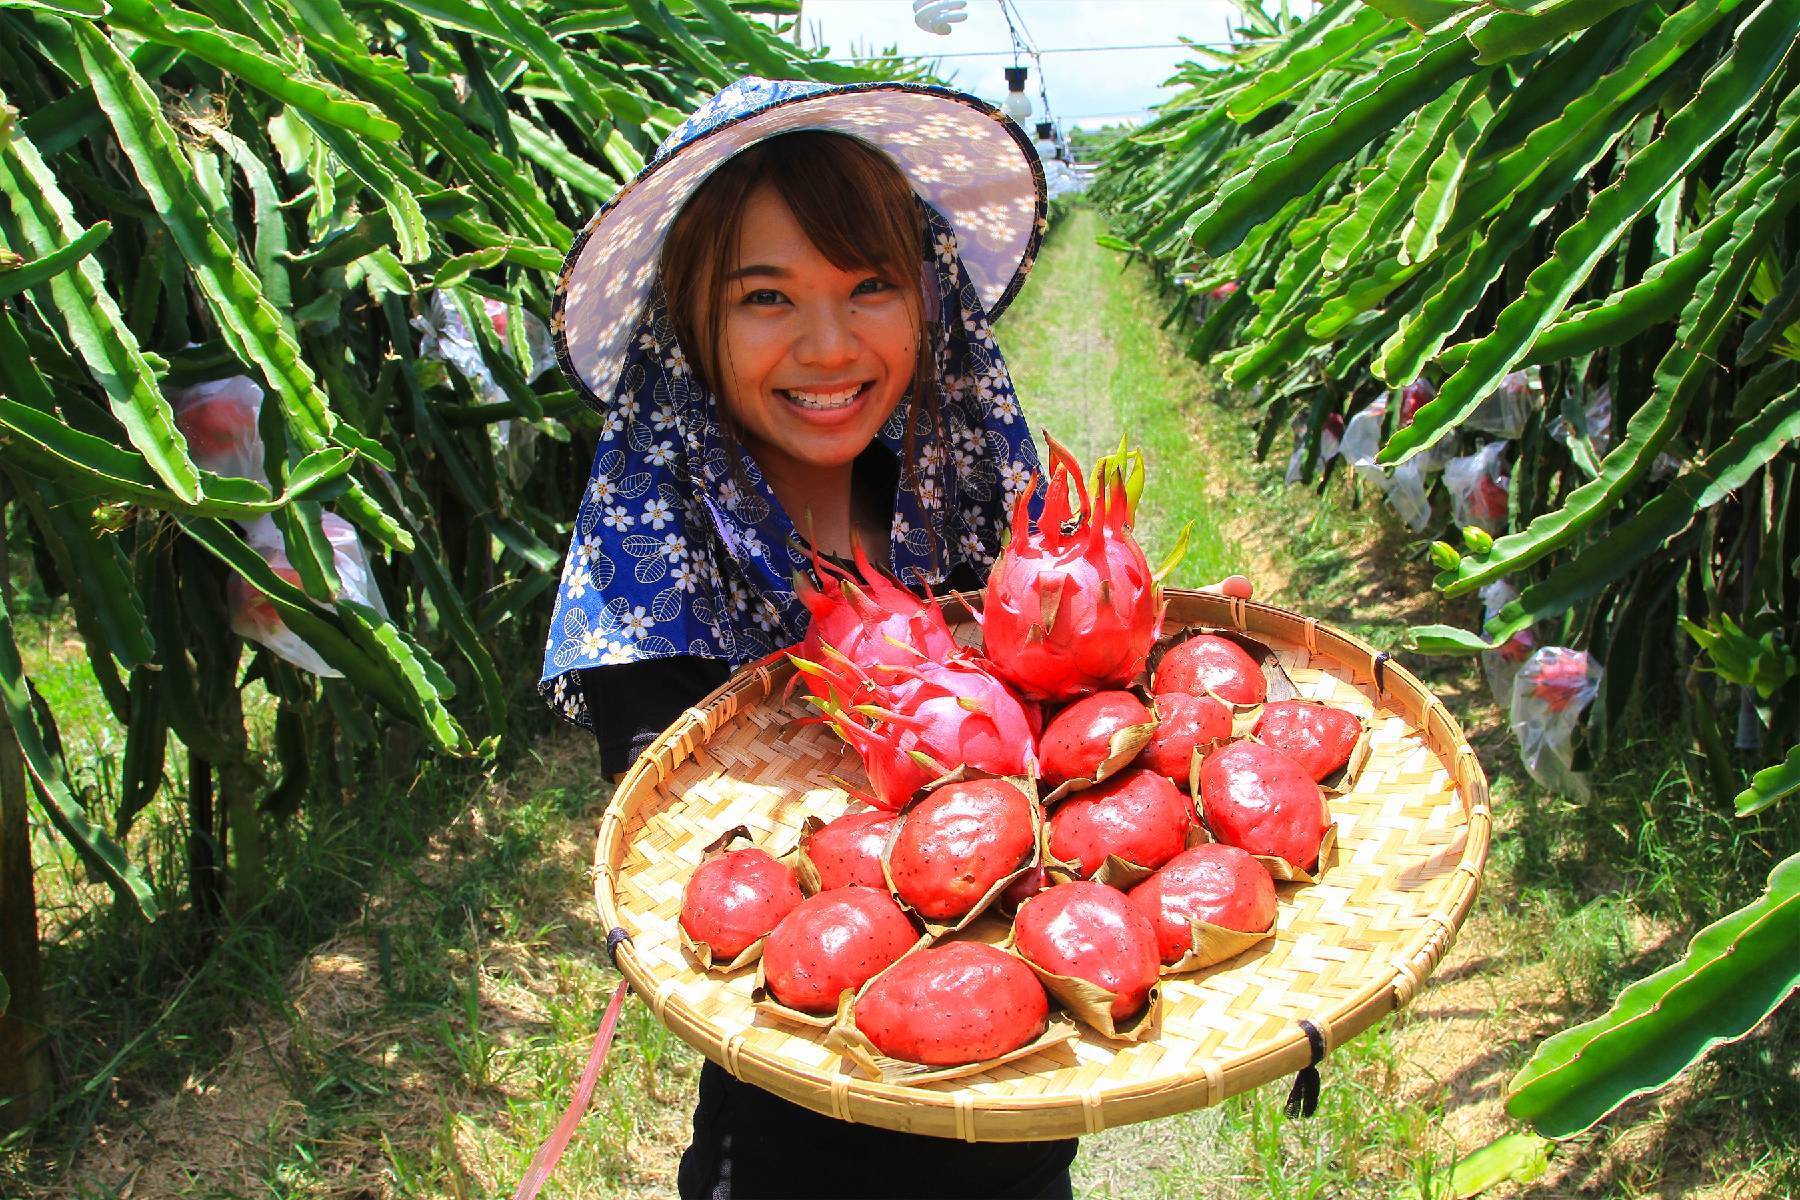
(824, 400)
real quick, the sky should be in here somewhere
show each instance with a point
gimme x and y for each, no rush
(1092, 88)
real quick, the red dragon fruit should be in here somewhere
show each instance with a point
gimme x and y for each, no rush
(930, 718)
(872, 621)
(957, 1003)
(734, 899)
(832, 943)
(1317, 736)
(1072, 607)
(957, 843)
(847, 852)
(1187, 723)
(1138, 816)
(1218, 884)
(1091, 931)
(1079, 739)
(1207, 663)
(1258, 798)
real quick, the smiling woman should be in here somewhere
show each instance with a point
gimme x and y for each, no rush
(794, 277)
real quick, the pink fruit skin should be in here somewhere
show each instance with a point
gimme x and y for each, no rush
(1187, 721)
(1078, 739)
(1207, 662)
(1137, 815)
(1091, 931)
(958, 1003)
(1221, 885)
(847, 852)
(1258, 798)
(1316, 736)
(735, 898)
(834, 942)
(957, 843)
(1066, 614)
(955, 713)
(869, 619)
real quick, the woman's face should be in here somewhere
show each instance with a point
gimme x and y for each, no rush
(812, 358)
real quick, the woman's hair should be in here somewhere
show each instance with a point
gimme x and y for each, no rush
(850, 201)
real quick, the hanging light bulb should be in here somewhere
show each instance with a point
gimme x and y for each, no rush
(1017, 104)
(937, 16)
(1043, 140)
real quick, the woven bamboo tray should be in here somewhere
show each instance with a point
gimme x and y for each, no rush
(1412, 840)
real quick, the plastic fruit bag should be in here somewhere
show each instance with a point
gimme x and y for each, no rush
(253, 615)
(1549, 694)
(1598, 419)
(1330, 438)
(1508, 406)
(1501, 664)
(1477, 486)
(1404, 486)
(1413, 397)
(218, 419)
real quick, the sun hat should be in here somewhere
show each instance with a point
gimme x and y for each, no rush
(963, 157)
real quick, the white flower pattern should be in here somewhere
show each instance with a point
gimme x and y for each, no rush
(678, 549)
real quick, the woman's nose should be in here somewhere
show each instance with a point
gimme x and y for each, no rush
(828, 339)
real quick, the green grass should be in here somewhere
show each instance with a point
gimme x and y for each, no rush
(1089, 363)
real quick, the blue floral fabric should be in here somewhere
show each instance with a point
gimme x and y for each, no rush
(675, 553)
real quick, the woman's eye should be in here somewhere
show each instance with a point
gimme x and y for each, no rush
(763, 296)
(870, 287)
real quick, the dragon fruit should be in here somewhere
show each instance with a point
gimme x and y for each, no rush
(1206, 663)
(1218, 884)
(1072, 607)
(847, 852)
(958, 1003)
(1186, 723)
(1258, 798)
(734, 899)
(873, 621)
(1079, 739)
(1317, 736)
(957, 843)
(1091, 931)
(929, 718)
(1137, 815)
(832, 943)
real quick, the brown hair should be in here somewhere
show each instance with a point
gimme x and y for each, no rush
(851, 202)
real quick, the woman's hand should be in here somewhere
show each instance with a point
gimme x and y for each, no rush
(1235, 587)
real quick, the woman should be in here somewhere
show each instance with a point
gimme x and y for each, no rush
(785, 322)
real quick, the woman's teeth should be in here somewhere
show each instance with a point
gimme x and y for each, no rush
(823, 400)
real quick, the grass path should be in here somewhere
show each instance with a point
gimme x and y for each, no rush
(425, 1042)
(1089, 363)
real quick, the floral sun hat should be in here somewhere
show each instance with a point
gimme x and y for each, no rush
(962, 156)
(679, 546)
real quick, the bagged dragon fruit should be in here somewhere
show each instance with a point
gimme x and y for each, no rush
(218, 419)
(1404, 486)
(1501, 665)
(1477, 485)
(253, 615)
(1508, 406)
(1330, 438)
(1597, 418)
(1549, 694)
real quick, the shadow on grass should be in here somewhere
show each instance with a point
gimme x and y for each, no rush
(145, 1016)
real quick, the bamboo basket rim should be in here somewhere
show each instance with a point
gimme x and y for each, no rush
(958, 1111)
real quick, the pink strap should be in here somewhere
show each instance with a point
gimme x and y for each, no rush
(552, 1150)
